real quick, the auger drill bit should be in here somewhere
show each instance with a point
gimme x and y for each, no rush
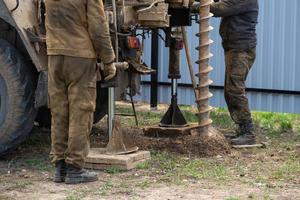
(202, 89)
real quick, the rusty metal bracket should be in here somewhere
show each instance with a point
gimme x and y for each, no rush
(118, 143)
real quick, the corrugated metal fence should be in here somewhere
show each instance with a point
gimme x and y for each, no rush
(273, 81)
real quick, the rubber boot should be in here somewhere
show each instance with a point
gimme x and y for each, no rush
(245, 135)
(60, 171)
(77, 175)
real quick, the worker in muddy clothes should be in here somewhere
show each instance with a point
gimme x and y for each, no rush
(77, 34)
(238, 32)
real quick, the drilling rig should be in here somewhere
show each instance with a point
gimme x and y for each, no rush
(172, 17)
(23, 60)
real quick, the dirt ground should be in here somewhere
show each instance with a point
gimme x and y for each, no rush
(175, 171)
(26, 174)
(194, 191)
(212, 143)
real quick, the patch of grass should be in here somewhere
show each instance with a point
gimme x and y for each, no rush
(40, 164)
(175, 168)
(288, 170)
(144, 165)
(145, 118)
(32, 161)
(190, 115)
(273, 124)
(276, 124)
(104, 189)
(164, 160)
(267, 197)
(81, 193)
(113, 170)
(125, 188)
(72, 197)
(222, 119)
(201, 169)
(143, 185)
(20, 184)
(165, 166)
(261, 178)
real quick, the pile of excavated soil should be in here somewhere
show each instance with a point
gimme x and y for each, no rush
(210, 144)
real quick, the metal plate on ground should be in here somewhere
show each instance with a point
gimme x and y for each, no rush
(97, 160)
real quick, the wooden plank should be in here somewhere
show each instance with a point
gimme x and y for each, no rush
(126, 157)
(262, 145)
(95, 166)
(95, 155)
(134, 164)
(110, 159)
(126, 162)
(146, 154)
(136, 156)
(99, 166)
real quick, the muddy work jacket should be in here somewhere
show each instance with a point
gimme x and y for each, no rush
(78, 28)
(238, 25)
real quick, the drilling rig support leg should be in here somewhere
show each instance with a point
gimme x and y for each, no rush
(173, 117)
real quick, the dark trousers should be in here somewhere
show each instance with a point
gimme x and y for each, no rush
(238, 65)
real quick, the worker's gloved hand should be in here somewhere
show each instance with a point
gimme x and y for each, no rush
(109, 71)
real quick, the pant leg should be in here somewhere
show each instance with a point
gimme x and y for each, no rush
(81, 81)
(59, 106)
(238, 65)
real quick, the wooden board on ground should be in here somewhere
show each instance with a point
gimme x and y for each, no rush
(97, 160)
(157, 131)
(261, 145)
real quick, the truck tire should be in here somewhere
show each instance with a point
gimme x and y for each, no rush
(17, 87)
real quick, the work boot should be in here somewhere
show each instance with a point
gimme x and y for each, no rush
(241, 130)
(245, 135)
(60, 171)
(77, 175)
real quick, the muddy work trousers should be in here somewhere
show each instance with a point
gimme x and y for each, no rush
(72, 96)
(238, 65)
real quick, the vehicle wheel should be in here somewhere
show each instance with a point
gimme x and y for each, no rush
(17, 86)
